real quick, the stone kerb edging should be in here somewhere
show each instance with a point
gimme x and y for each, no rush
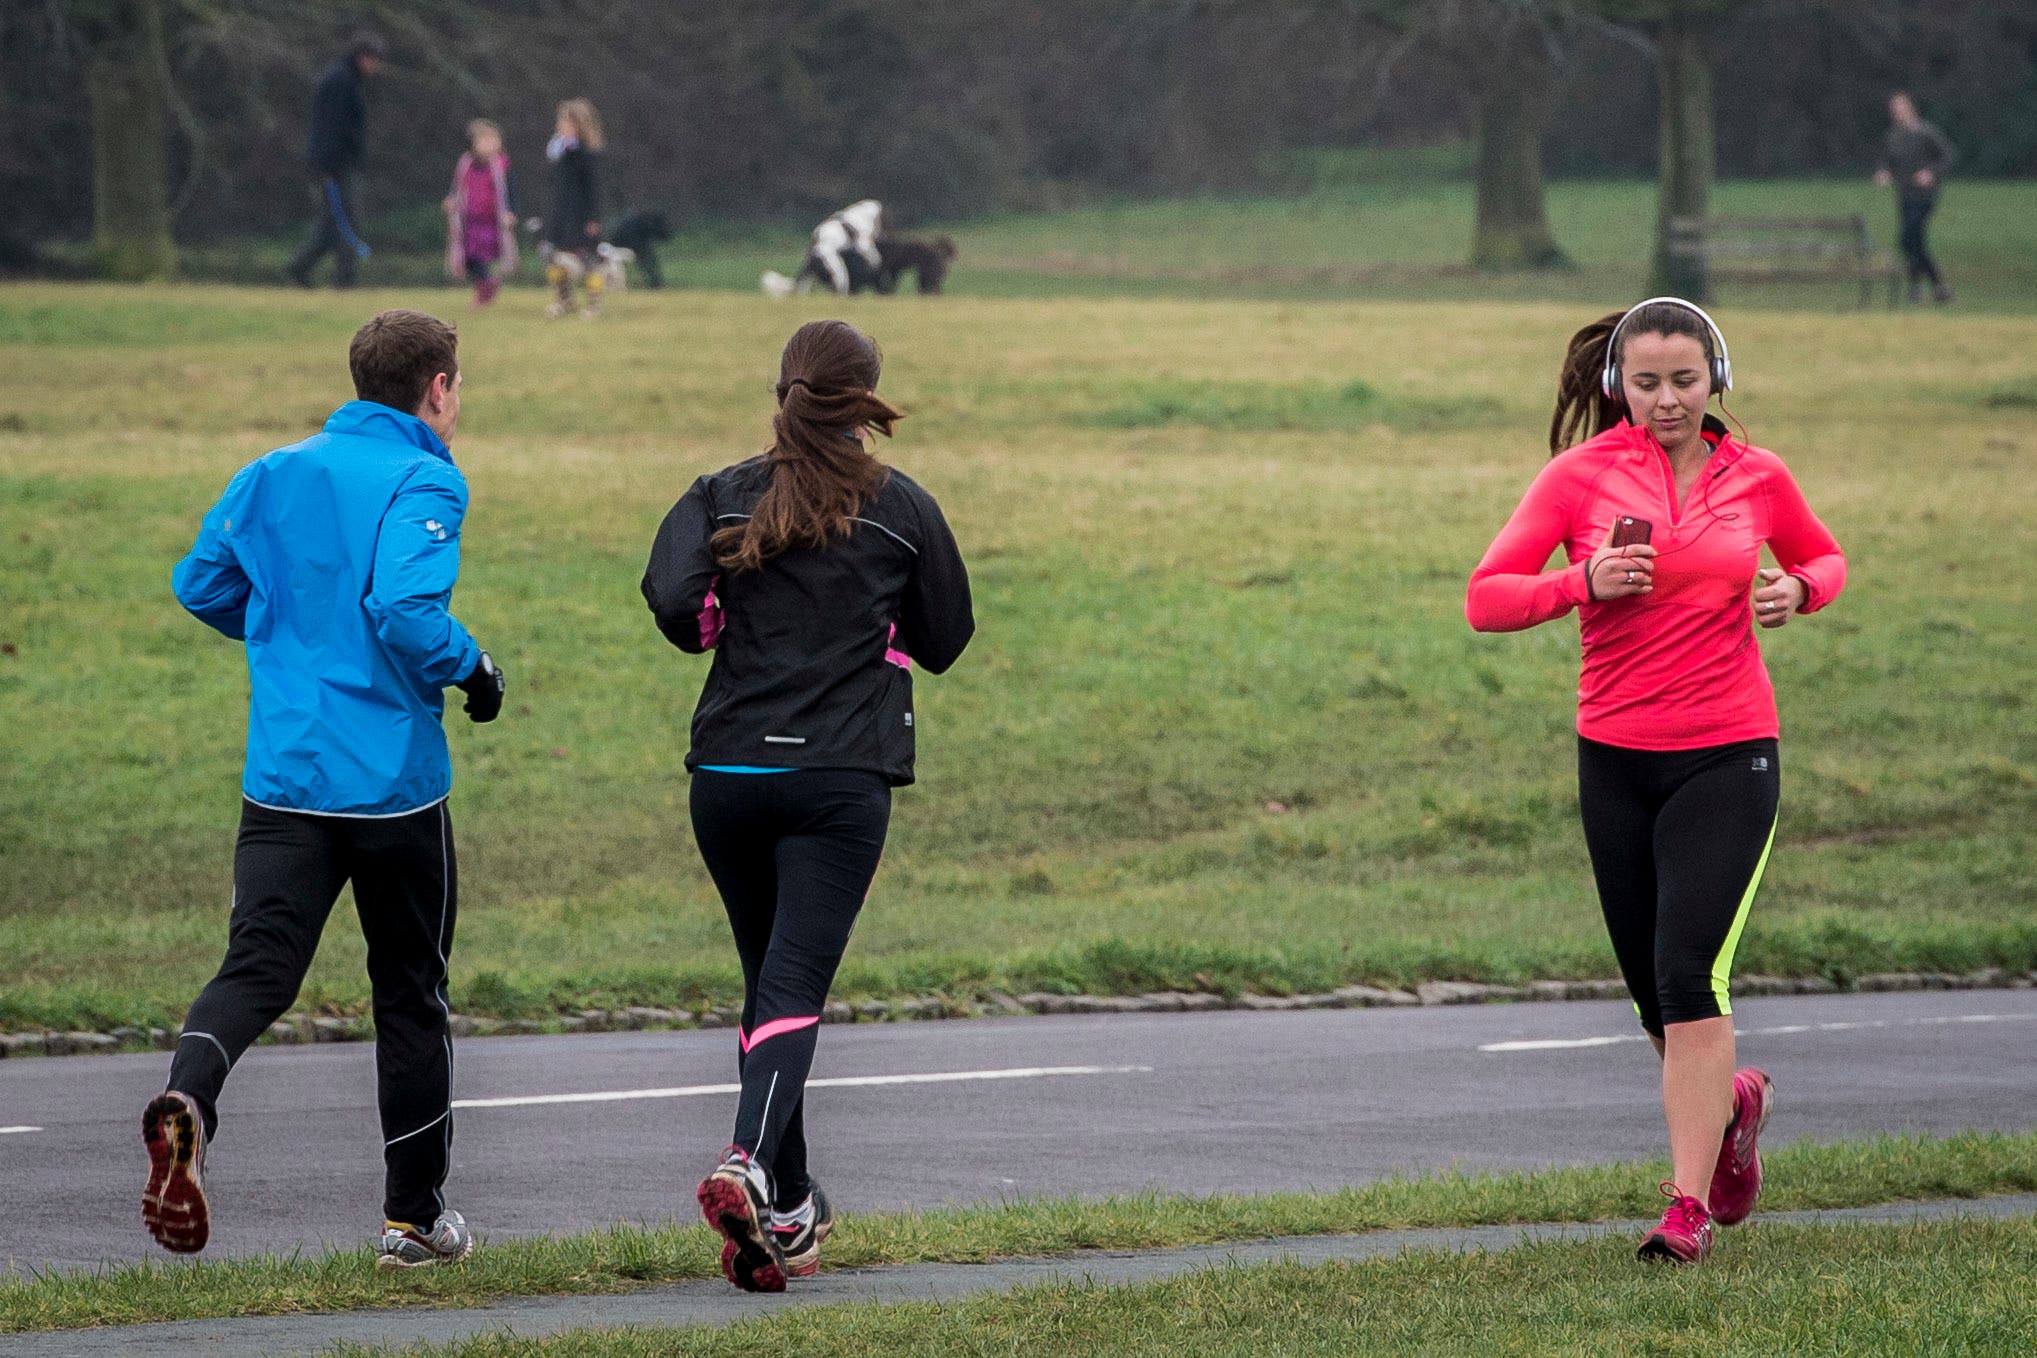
(302, 1028)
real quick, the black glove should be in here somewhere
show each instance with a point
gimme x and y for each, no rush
(484, 689)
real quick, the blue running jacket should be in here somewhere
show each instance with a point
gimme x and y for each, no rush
(334, 560)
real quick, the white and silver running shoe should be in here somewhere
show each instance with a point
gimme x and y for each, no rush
(736, 1200)
(447, 1242)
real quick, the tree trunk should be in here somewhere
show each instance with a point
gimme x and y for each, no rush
(130, 160)
(1512, 230)
(1684, 173)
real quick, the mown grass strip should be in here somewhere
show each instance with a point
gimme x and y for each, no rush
(1804, 1175)
(1939, 1287)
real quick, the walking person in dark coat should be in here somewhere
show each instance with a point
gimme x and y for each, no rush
(333, 149)
(1914, 159)
(572, 221)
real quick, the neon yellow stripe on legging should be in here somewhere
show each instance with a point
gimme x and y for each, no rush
(1722, 965)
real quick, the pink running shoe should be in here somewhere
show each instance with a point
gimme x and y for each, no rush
(1736, 1183)
(1684, 1235)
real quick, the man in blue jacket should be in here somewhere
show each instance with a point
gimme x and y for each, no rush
(333, 147)
(333, 561)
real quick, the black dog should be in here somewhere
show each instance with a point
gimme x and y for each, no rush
(643, 231)
(929, 259)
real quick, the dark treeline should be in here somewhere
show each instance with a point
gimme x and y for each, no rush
(730, 112)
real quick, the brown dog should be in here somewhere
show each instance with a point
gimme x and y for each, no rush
(927, 259)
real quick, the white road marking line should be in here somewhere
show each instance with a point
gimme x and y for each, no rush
(1547, 1044)
(1550, 1044)
(8, 1131)
(832, 1082)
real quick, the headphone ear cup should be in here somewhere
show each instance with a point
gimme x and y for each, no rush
(1609, 382)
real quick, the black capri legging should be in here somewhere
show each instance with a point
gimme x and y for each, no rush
(793, 855)
(1678, 842)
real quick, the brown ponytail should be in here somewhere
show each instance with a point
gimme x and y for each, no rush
(821, 474)
(1582, 408)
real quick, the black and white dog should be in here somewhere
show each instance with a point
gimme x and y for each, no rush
(642, 232)
(841, 254)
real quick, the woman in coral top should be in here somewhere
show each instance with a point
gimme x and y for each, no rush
(1662, 515)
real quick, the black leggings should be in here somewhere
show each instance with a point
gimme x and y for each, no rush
(1915, 213)
(1678, 841)
(793, 855)
(288, 868)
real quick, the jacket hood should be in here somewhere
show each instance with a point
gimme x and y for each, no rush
(371, 420)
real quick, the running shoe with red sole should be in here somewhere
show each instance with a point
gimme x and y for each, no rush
(1684, 1235)
(1736, 1183)
(736, 1200)
(173, 1201)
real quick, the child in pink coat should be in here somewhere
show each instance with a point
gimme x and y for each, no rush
(480, 224)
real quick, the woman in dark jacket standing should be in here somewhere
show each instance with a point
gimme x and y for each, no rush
(572, 242)
(818, 576)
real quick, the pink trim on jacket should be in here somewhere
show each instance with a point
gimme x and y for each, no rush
(710, 618)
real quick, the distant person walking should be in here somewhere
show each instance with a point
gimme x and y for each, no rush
(1662, 515)
(334, 561)
(817, 575)
(480, 222)
(1914, 158)
(572, 225)
(333, 149)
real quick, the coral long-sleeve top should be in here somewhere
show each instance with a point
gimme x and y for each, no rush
(1677, 668)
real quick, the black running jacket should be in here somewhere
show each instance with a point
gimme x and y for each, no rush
(812, 651)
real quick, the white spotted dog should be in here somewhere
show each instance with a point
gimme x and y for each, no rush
(613, 258)
(841, 254)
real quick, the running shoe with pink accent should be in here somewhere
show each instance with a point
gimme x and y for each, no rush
(1684, 1235)
(1736, 1183)
(800, 1233)
(736, 1200)
(173, 1203)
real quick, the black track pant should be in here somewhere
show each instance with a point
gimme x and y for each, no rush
(331, 201)
(288, 868)
(1678, 842)
(793, 855)
(1915, 214)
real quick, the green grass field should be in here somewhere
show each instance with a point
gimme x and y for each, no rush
(1384, 227)
(1802, 1175)
(1942, 1288)
(1223, 725)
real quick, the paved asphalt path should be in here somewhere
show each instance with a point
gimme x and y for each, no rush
(1221, 1102)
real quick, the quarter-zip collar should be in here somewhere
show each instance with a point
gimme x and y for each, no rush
(1726, 450)
(372, 420)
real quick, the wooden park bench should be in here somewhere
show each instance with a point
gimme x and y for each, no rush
(1786, 249)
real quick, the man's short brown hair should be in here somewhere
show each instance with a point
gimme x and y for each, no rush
(397, 353)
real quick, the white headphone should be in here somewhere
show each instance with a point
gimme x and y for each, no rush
(1721, 364)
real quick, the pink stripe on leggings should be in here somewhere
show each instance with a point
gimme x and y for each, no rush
(751, 1041)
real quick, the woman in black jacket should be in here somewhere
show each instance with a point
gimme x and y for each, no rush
(573, 217)
(818, 576)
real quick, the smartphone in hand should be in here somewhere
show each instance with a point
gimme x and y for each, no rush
(1629, 531)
